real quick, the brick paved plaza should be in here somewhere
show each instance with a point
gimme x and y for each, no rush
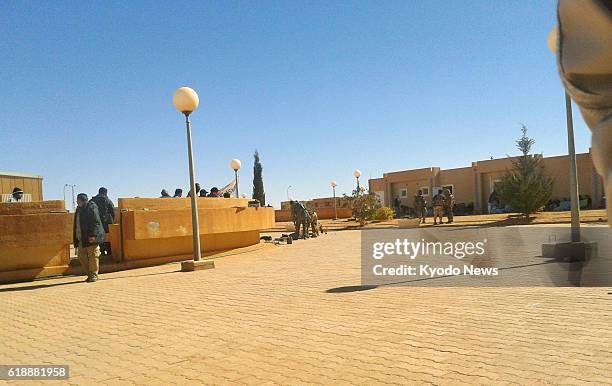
(265, 317)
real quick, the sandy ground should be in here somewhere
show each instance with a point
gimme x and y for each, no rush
(296, 314)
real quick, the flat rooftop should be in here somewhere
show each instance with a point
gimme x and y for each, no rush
(21, 175)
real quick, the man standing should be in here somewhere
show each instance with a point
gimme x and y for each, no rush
(493, 201)
(87, 235)
(438, 206)
(420, 205)
(449, 203)
(17, 195)
(106, 209)
(396, 206)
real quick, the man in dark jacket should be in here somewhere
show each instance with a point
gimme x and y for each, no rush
(107, 215)
(88, 233)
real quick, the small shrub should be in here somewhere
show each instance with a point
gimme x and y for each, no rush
(384, 213)
(364, 205)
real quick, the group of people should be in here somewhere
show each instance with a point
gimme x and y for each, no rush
(178, 193)
(91, 222)
(442, 204)
(92, 219)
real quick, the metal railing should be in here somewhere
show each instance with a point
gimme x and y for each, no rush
(26, 197)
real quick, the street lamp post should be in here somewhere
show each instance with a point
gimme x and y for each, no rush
(333, 185)
(575, 250)
(186, 101)
(573, 171)
(573, 175)
(235, 164)
(73, 199)
(357, 174)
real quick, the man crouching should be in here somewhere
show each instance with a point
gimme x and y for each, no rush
(88, 234)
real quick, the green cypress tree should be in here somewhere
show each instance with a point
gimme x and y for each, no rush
(258, 186)
(526, 187)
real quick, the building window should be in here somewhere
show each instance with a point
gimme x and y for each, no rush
(449, 187)
(425, 191)
(403, 193)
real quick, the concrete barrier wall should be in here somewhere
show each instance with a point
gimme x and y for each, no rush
(155, 228)
(35, 240)
(322, 214)
(179, 203)
(328, 213)
(115, 239)
(282, 215)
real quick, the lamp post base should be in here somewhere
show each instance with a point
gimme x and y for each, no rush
(570, 251)
(191, 265)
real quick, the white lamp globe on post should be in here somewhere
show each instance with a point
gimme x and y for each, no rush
(357, 174)
(235, 164)
(333, 185)
(186, 101)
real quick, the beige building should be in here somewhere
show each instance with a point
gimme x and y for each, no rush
(324, 207)
(31, 186)
(474, 184)
(319, 203)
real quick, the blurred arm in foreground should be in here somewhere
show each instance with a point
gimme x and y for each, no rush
(584, 58)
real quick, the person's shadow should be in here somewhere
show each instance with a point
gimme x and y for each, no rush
(80, 281)
(37, 286)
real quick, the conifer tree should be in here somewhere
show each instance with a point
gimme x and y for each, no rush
(258, 186)
(526, 187)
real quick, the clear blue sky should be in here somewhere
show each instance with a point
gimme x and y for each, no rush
(319, 88)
